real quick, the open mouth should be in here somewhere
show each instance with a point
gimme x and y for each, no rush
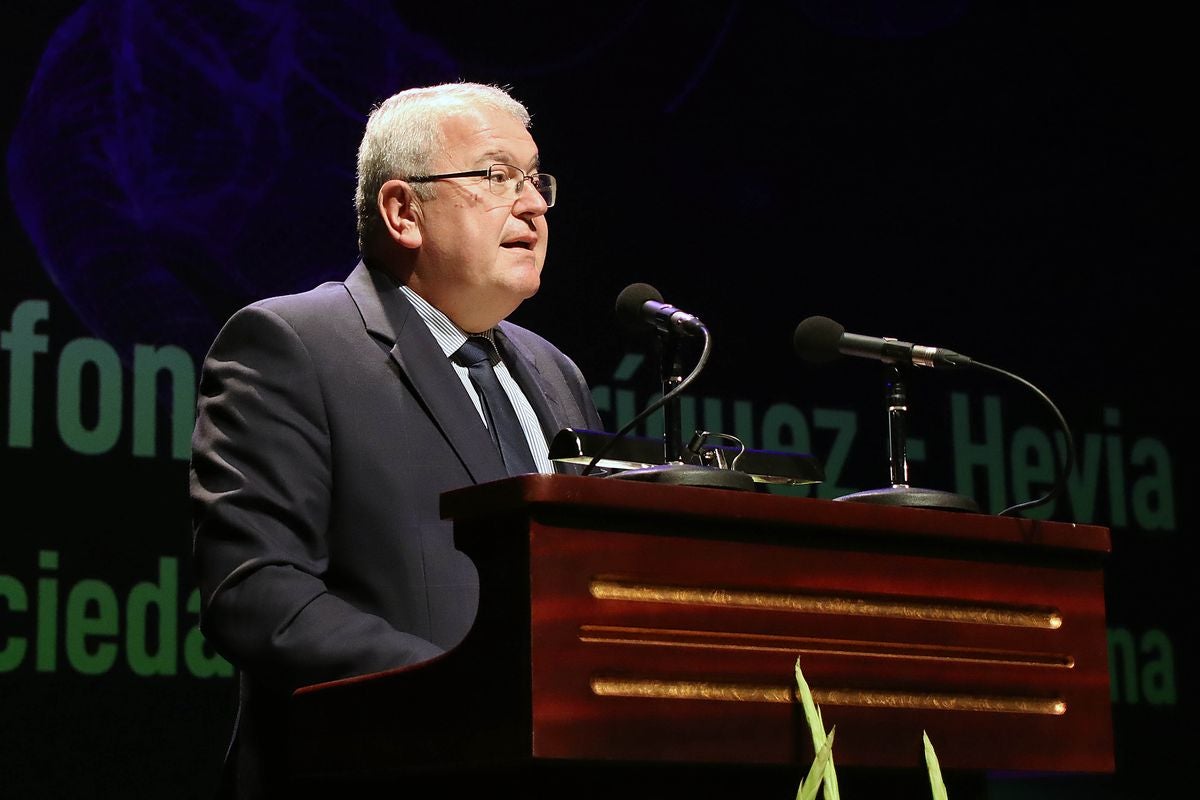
(518, 245)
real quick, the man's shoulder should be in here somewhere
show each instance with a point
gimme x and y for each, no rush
(538, 348)
(316, 299)
(526, 337)
(325, 305)
(314, 316)
(357, 300)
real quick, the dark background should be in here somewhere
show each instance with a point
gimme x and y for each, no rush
(1011, 180)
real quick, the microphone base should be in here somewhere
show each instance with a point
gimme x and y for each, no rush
(914, 498)
(689, 475)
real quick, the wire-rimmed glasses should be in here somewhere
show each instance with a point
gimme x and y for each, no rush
(504, 180)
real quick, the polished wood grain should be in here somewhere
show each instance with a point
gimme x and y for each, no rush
(635, 623)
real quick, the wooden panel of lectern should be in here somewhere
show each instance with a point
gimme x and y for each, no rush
(623, 622)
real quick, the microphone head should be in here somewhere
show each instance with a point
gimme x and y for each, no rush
(817, 340)
(630, 302)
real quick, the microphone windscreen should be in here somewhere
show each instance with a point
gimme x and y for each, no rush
(630, 302)
(817, 340)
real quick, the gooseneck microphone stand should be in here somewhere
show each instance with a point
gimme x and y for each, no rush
(896, 400)
(819, 340)
(674, 470)
(900, 493)
(672, 375)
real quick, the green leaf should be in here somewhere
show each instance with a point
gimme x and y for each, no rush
(816, 727)
(812, 782)
(935, 771)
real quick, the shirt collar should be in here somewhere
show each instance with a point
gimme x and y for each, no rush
(449, 336)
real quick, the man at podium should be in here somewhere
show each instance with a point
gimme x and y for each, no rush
(330, 422)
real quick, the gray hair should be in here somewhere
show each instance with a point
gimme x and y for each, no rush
(404, 131)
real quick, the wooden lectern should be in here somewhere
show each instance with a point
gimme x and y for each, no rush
(625, 623)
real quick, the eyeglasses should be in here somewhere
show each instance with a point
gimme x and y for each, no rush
(504, 180)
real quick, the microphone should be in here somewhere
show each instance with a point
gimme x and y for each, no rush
(819, 340)
(641, 303)
(637, 305)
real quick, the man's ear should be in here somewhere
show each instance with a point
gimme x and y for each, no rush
(399, 209)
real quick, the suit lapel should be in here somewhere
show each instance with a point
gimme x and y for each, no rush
(540, 387)
(389, 316)
(524, 367)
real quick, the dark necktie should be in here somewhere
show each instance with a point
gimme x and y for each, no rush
(476, 355)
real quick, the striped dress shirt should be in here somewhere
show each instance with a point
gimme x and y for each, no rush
(450, 337)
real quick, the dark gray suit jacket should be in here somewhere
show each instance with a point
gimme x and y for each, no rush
(329, 423)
